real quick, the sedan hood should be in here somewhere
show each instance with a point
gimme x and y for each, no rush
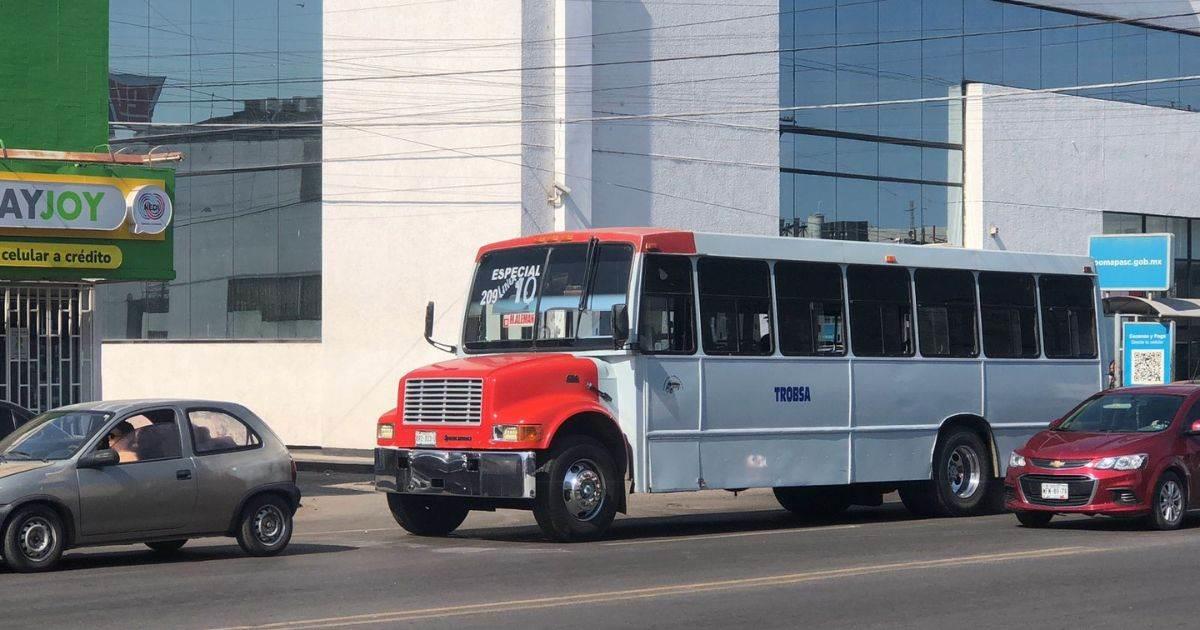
(1078, 445)
(8, 469)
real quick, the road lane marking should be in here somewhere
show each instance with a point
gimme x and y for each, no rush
(768, 532)
(665, 591)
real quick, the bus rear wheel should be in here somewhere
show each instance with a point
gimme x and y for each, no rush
(814, 502)
(962, 481)
(577, 490)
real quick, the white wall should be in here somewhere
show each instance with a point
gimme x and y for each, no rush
(1042, 168)
(713, 173)
(410, 192)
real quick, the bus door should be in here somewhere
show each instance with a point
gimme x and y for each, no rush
(670, 372)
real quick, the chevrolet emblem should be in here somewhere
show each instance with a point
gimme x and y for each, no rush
(1058, 463)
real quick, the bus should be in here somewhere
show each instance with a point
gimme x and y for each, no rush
(595, 364)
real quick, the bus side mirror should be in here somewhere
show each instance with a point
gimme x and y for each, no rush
(620, 324)
(429, 321)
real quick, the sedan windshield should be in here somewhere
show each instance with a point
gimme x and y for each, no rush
(52, 435)
(1124, 413)
(547, 297)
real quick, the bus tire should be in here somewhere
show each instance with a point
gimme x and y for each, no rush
(814, 502)
(962, 478)
(577, 490)
(426, 516)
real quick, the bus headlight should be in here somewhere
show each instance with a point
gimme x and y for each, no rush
(1016, 461)
(385, 431)
(517, 432)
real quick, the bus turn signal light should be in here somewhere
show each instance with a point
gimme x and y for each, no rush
(517, 432)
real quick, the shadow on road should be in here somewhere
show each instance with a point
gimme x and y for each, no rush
(706, 524)
(82, 559)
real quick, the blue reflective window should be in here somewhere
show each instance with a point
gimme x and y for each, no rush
(1162, 60)
(1060, 49)
(1129, 62)
(816, 153)
(1095, 57)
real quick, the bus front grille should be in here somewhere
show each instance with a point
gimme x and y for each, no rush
(443, 400)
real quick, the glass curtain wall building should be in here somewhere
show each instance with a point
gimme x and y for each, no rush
(894, 172)
(248, 196)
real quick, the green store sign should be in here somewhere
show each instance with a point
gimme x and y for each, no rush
(85, 221)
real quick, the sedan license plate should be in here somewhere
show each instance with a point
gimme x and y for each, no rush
(1056, 491)
(426, 438)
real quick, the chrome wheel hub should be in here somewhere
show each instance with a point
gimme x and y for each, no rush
(963, 472)
(583, 490)
(1170, 501)
(269, 525)
(36, 538)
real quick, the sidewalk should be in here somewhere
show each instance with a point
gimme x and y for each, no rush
(315, 459)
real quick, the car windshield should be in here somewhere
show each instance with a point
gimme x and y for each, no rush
(52, 435)
(1124, 413)
(547, 296)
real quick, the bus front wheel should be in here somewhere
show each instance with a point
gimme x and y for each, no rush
(962, 479)
(577, 490)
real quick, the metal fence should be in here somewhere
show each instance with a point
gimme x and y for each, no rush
(46, 345)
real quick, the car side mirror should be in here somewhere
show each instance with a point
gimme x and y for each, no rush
(1055, 423)
(620, 324)
(99, 459)
(1194, 429)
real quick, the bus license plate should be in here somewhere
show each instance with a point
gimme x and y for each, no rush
(429, 438)
(1057, 491)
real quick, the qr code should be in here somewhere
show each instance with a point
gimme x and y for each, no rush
(1148, 367)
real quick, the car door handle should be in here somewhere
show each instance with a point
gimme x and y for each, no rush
(183, 475)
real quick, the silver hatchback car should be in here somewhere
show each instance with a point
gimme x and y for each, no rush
(143, 471)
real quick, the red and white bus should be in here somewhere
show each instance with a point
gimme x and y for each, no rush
(594, 364)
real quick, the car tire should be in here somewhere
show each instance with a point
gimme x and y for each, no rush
(1169, 503)
(34, 539)
(577, 491)
(265, 527)
(427, 516)
(1034, 519)
(166, 546)
(962, 483)
(814, 502)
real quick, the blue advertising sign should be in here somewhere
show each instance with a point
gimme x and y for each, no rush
(1148, 348)
(1132, 262)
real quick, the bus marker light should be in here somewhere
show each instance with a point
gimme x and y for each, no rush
(889, 259)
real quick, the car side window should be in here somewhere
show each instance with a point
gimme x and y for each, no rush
(219, 432)
(8, 422)
(146, 436)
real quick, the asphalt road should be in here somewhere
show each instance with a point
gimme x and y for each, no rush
(707, 560)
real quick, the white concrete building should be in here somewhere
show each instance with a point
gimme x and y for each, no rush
(448, 125)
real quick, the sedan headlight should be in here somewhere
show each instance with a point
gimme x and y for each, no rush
(1016, 461)
(1124, 462)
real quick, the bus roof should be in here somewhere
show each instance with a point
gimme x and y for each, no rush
(812, 249)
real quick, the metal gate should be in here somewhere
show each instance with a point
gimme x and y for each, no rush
(46, 345)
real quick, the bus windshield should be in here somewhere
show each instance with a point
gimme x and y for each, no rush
(1124, 413)
(547, 296)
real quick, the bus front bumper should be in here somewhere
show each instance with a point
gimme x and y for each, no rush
(490, 474)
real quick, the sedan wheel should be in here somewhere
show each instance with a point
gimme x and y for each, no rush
(266, 526)
(1170, 503)
(34, 539)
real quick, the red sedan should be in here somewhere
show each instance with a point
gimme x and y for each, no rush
(1132, 452)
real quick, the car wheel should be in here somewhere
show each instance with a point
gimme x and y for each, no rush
(34, 539)
(814, 502)
(167, 546)
(577, 490)
(427, 516)
(266, 526)
(1034, 519)
(1169, 504)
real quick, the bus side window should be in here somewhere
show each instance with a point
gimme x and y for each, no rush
(1008, 308)
(811, 314)
(666, 323)
(735, 306)
(946, 313)
(1068, 316)
(880, 311)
